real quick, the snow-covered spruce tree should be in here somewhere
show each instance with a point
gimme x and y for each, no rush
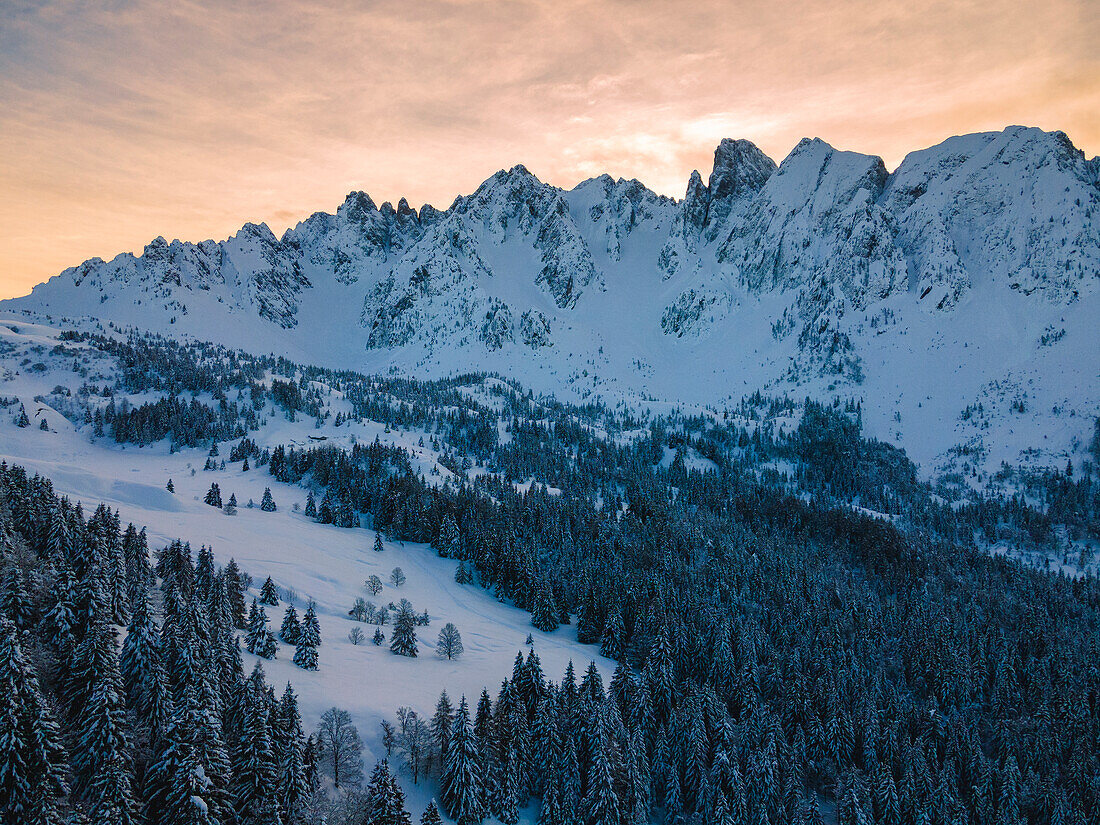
(544, 615)
(291, 630)
(292, 787)
(311, 628)
(446, 543)
(449, 644)
(403, 637)
(431, 815)
(254, 765)
(378, 546)
(461, 788)
(32, 758)
(385, 801)
(143, 674)
(267, 503)
(441, 723)
(310, 510)
(305, 655)
(214, 495)
(462, 574)
(611, 644)
(102, 770)
(269, 593)
(170, 487)
(259, 640)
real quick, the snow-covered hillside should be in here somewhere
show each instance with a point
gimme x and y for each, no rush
(306, 560)
(958, 297)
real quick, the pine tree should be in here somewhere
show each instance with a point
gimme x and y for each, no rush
(305, 656)
(214, 495)
(102, 774)
(291, 630)
(601, 804)
(267, 503)
(311, 628)
(142, 668)
(611, 645)
(254, 762)
(385, 801)
(378, 547)
(441, 724)
(234, 584)
(403, 637)
(462, 574)
(269, 593)
(32, 759)
(431, 815)
(461, 786)
(446, 544)
(170, 487)
(292, 788)
(311, 506)
(544, 614)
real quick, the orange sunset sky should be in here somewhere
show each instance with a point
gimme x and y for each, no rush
(120, 121)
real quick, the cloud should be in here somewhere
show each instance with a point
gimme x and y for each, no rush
(120, 121)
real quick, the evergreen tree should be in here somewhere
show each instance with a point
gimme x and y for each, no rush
(378, 547)
(442, 720)
(214, 495)
(291, 630)
(403, 637)
(269, 593)
(385, 801)
(544, 614)
(32, 759)
(305, 656)
(267, 503)
(102, 772)
(461, 784)
(170, 487)
(601, 805)
(446, 544)
(311, 506)
(254, 762)
(234, 584)
(431, 815)
(311, 628)
(462, 574)
(292, 787)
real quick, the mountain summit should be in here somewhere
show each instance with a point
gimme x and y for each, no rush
(955, 280)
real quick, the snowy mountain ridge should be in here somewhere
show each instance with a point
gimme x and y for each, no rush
(966, 277)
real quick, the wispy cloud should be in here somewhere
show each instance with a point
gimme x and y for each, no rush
(123, 120)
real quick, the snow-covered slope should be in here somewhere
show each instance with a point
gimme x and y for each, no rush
(967, 276)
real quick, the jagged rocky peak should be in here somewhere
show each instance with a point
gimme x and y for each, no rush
(740, 171)
(740, 168)
(1015, 207)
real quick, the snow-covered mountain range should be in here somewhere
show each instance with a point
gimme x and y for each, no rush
(958, 296)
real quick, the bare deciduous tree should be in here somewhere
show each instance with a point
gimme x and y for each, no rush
(341, 747)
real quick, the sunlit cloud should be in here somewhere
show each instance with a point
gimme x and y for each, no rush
(120, 121)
